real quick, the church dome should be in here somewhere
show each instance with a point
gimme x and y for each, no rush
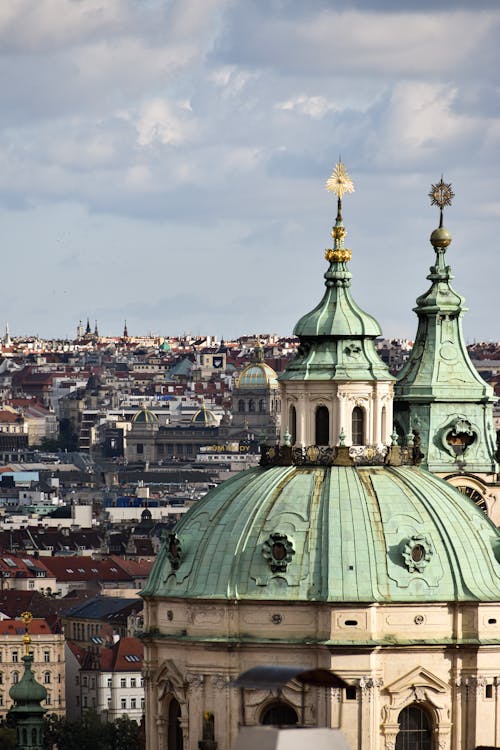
(333, 534)
(204, 418)
(257, 375)
(144, 416)
(28, 692)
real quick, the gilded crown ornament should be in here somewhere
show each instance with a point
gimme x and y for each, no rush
(339, 183)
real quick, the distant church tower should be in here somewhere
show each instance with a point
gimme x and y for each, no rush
(26, 713)
(441, 401)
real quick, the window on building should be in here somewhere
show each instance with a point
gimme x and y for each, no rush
(1, 700)
(140, 449)
(279, 714)
(123, 682)
(85, 701)
(110, 681)
(133, 682)
(31, 584)
(123, 703)
(84, 681)
(133, 703)
(322, 425)
(241, 405)
(174, 738)
(262, 405)
(358, 420)
(142, 702)
(46, 678)
(48, 699)
(15, 656)
(415, 731)
(15, 677)
(251, 405)
(46, 656)
(292, 422)
(1, 678)
(109, 702)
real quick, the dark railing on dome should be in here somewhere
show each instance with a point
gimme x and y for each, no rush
(326, 455)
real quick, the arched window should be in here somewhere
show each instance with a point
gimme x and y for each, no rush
(262, 406)
(279, 714)
(358, 426)
(415, 731)
(46, 678)
(15, 677)
(322, 426)
(241, 405)
(251, 405)
(292, 424)
(174, 740)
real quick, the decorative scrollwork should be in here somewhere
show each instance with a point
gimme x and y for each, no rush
(417, 553)
(278, 551)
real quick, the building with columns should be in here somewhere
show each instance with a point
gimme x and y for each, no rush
(337, 552)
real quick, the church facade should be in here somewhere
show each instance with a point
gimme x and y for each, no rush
(338, 552)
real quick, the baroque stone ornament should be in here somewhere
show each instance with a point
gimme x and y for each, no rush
(278, 551)
(417, 553)
(174, 550)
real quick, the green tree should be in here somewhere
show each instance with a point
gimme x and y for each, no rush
(90, 733)
(7, 738)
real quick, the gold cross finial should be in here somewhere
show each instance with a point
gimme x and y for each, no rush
(27, 618)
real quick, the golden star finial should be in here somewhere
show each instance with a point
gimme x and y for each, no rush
(340, 182)
(441, 195)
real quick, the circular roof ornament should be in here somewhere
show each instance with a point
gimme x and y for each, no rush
(278, 551)
(417, 553)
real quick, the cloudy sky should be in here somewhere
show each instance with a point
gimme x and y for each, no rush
(164, 161)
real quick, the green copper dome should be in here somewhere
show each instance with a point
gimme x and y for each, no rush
(335, 534)
(145, 416)
(257, 375)
(27, 694)
(204, 418)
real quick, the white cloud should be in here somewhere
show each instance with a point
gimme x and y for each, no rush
(165, 122)
(312, 106)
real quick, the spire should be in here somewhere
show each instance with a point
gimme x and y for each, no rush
(439, 395)
(339, 183)
(87, 329)
(125, 331)
(337, 388)
(337, 317)
(96, 330)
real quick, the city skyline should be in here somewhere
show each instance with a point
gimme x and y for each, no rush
(165, 163)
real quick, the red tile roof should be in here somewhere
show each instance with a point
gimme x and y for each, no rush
(16, 627)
